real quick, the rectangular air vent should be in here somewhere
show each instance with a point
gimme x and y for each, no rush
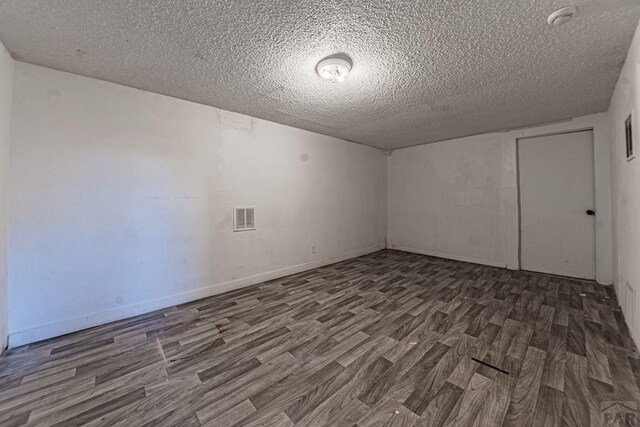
(244, 218)
(628, 128)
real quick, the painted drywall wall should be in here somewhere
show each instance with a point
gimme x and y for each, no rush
(6, 95)
(459, 198)
(454, 199)
(626, 188)
(121, 202)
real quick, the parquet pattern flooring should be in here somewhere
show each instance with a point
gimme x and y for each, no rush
(391, 338)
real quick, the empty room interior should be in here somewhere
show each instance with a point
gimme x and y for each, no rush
(319, 213)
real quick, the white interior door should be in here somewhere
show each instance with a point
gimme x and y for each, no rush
(557, 225)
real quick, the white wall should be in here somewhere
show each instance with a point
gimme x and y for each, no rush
(458, 199)
(121, 202)
(6, 89)
(626, 188)
(455, 199)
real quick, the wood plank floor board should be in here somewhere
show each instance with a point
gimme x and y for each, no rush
(390, 338)
(548, 411)
(496, 404)
(472, 399)
(446, 402)
(524, 397)
(576, 411)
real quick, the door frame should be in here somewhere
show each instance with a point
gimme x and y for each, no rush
(518, 140)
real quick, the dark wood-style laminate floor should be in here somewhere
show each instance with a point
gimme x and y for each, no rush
(391, 339)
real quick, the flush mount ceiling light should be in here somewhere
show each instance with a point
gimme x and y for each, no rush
(562, 16)
(334, 69)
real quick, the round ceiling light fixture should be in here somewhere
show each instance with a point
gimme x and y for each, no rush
(562, 16)
(334, 68)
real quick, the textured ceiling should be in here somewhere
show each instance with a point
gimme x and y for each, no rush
(423, 71)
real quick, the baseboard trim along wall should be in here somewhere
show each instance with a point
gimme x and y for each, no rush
(438, 254)
(67, 326)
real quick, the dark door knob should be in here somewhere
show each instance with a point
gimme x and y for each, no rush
(590, 212)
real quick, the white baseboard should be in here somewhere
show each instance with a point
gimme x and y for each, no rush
(454, 257)
(79, 323)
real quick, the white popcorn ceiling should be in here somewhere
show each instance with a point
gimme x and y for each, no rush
(423, 71)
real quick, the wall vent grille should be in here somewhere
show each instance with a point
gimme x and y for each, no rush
(244, 218)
